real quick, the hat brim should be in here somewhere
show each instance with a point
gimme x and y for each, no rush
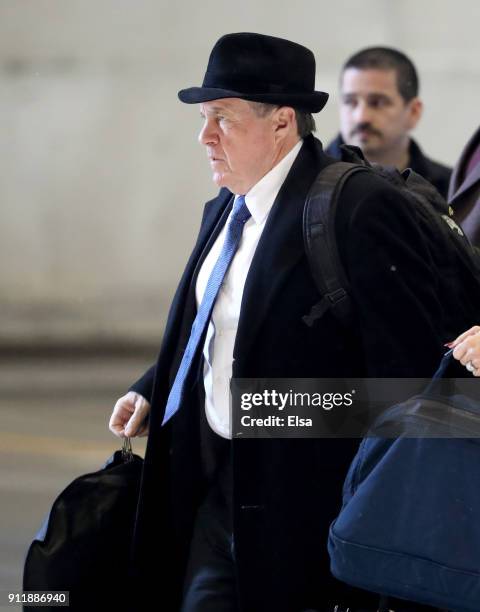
(308, 102)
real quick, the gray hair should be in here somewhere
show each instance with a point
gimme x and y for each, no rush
(305, 121)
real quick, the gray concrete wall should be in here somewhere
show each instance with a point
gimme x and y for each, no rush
(102, 181)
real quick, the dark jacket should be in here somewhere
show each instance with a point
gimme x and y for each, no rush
(464, 191)
(285, 491)
(437, 174)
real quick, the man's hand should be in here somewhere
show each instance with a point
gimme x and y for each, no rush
(467, 349)
(130, 416)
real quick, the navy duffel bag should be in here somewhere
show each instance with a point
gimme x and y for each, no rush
(409, 526)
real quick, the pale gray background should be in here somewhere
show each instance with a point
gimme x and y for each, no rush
(102, 185)
(102, 181)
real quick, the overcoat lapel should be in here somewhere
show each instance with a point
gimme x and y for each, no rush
(209, 230)
(471, 180)
(280, 246)
(213, 228)
(455, 188)
(182, 310)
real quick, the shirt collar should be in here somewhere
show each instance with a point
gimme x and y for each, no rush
(261, 196)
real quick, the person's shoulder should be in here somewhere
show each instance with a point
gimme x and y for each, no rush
(220, 200)
(375, 217)
(368, 189)
(214, 206)
(371, 208)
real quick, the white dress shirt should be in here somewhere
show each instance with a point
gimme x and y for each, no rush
(222, 328)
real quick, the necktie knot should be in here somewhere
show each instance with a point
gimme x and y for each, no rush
(240, 212)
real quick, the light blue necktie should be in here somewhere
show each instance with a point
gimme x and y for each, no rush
(240, 214)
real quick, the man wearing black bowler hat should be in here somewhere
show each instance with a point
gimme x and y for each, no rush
(242, 524)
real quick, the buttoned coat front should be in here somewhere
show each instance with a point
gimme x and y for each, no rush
(286, 491)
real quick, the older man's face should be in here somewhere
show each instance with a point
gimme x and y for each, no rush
(240, 144)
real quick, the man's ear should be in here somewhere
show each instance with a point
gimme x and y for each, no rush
(415, 112)
(284, 122)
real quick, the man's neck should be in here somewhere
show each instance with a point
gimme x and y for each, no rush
(285, 149)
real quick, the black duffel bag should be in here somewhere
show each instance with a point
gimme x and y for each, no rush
(84, 544)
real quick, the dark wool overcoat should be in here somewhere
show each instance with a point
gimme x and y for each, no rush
(285, 491)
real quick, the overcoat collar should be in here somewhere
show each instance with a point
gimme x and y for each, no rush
(280, 246)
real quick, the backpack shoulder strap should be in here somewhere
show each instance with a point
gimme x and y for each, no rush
(321, 243)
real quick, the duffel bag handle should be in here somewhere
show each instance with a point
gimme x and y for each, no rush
(127, 453)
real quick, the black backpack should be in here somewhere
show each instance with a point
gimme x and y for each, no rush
(423, 559)
(457, 261)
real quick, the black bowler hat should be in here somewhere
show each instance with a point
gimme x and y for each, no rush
(259, 68)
